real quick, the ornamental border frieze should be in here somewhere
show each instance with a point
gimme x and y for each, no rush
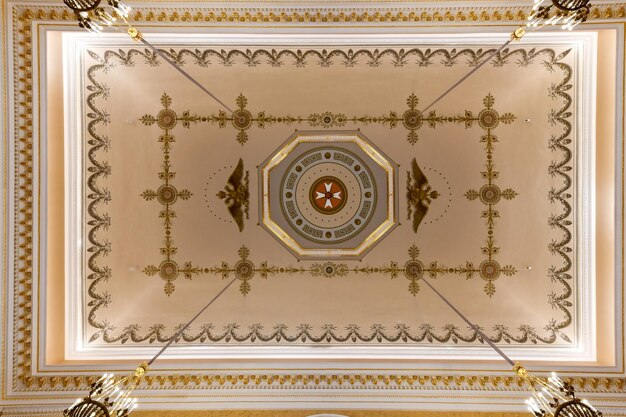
(23, 225)
(489, 195)
(22, 17)
(335, 379)
(327, 15)
(357, 15)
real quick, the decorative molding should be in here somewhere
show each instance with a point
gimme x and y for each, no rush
(369, 15)
(22, 221)
(338, 380)
(488, 269)
(390, 13)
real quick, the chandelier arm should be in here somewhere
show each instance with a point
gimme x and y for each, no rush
(472, 325)
(180, 332)
(182, 71)
(469, 74)
(572, 6)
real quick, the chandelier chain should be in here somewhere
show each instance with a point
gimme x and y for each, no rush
(472, 325)
(182, 71)
(180, 331)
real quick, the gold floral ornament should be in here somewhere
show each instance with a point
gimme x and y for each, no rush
(244, 269)
(414, 270)
(488, 118)
(169, 271)
(236, 195)
(490, 194)
(412, 119)
(166, 118)
(327, 120)
(241, 119)
(167, 195)
(490, 270)
(329, 270)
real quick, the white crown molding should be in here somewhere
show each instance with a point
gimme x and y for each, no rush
(584, 45)
(75, 131)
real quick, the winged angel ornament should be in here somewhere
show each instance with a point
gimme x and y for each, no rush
(236, 195)
(419, 195)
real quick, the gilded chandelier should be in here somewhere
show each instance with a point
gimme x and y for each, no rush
(568, 13)
(109, 397)
(93, 17)
(554, 397)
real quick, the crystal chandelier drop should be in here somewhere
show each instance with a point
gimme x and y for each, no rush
(109, 397)
(93, 17)
(554, 397)
(568, 13)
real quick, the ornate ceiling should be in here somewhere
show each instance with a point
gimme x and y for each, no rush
(177, 194)
(329, 192)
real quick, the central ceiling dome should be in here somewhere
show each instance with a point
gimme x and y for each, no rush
(328, 194)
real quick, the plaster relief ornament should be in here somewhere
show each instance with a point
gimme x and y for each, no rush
(236, 195)
(328, 194)
(419, 195)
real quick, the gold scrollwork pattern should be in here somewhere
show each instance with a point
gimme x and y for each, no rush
(167, 195)
(484, 118)
(490, 193)
(243, 119)
(408, 15)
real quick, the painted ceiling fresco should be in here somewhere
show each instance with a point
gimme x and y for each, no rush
(329, 193)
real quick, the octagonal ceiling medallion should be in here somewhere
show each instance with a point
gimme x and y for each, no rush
(328, 194)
